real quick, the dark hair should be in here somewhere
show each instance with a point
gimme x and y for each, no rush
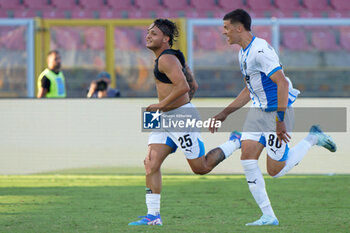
(240, 16)
(52, 52)
(169, 28)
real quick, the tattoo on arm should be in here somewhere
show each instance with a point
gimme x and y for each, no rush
(189, 79)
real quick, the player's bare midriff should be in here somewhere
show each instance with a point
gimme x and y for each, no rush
(164, 89)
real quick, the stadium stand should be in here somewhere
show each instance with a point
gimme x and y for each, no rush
(172, 8)
(70, 34)
(260, 5)
(120, 4)
(229, 5)
(205, 5)
(13, 38)
(95, 38)
(176, 5)
(126, 37)
(37, 4)
(55, 14)
(263, 32)
(11, 5)
(148, 4)
(3, 14)
(339, 14)
(93, 4)
(324, 40)
(65, 4)
(294, 38)
(290, 5)
(345, 37)
(313, 14)
(341, 5)
(26, 13)
(84, 14)
(317, 5)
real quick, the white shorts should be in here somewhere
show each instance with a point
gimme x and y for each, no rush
(260, 126)
(189, 140)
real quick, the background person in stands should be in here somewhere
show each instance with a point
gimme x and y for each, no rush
(51, 82)
(100, 87)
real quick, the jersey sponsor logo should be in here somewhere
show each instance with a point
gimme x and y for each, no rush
(261, 51)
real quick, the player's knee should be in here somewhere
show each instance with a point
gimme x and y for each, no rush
(151, 167)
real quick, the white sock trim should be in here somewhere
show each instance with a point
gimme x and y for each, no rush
(153, 203)
(229, 147)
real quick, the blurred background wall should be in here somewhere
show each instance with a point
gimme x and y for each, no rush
(45, 135)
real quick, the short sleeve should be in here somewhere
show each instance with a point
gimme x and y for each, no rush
(45, 83)
(267, 60)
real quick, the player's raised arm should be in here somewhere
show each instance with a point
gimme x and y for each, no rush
(170, 65)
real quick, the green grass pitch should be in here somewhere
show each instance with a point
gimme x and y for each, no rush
(190, 203)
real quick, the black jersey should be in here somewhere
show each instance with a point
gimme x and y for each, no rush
(161, 76)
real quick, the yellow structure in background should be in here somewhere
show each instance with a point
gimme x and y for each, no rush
(43, 38)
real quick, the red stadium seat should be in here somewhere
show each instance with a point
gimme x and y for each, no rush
(167, 14)
(23, 13)
(341, 5)
(142, 14)
(313, 14)
(317, 5)
(204, 4)
(345, 37)
(339, 14)
(176, 4)
(289, 5)
(121, 4)
(83, 14)
(13, 38)
(3, 13)
(263, 32)
(113, 14)
(260, 5)
(294, 38)
(93, 4)
(65, 4)
(324, 40)
(68, 38)
(54, 14)
(95, 38)
(207, 38)
(229, 5)
(149, 4)
(38, 4)
(284, 14)
(125, 39)
(11, 4)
